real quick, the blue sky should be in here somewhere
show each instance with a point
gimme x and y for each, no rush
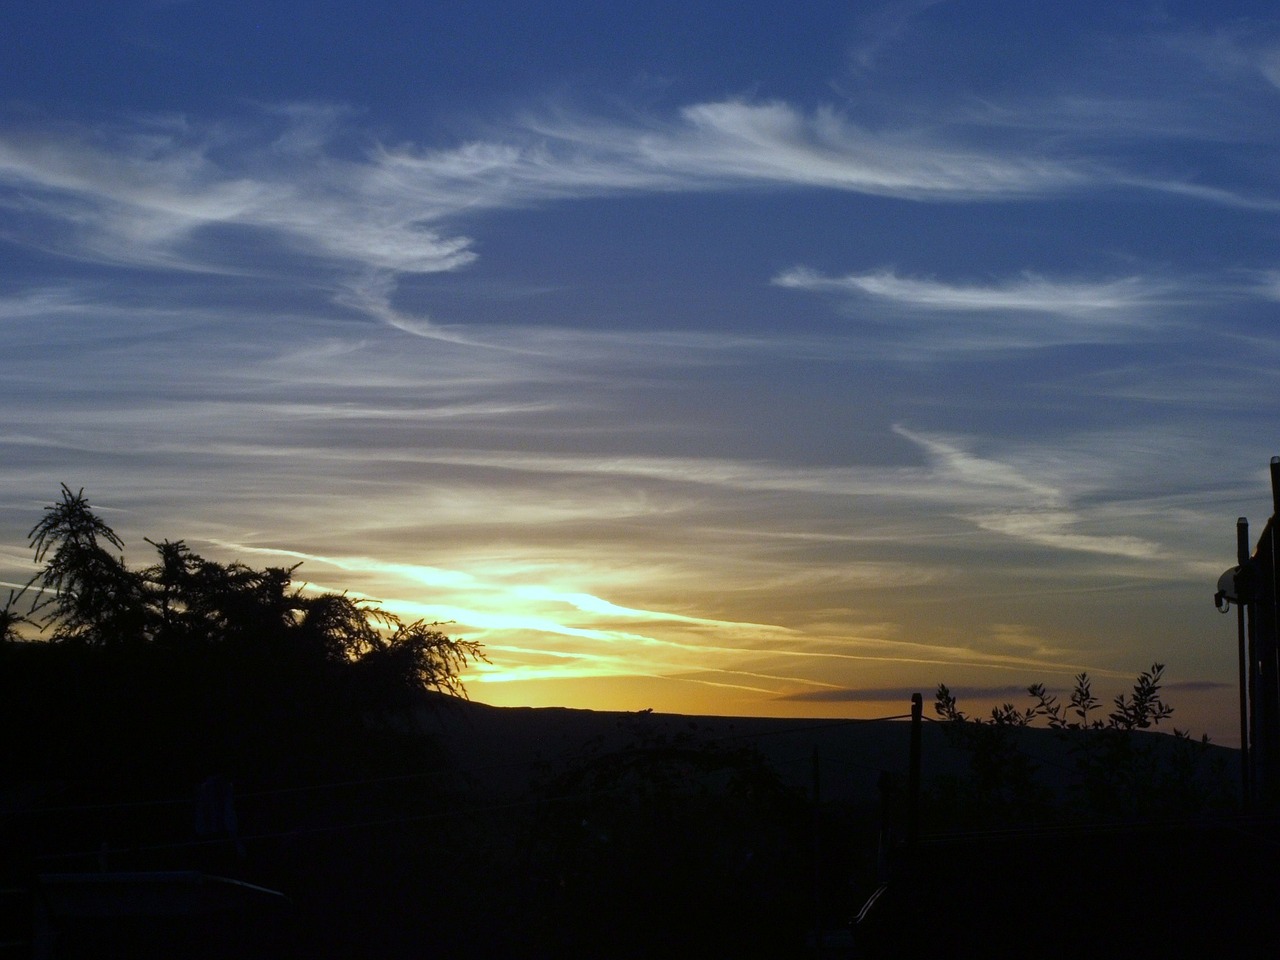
(700, 356)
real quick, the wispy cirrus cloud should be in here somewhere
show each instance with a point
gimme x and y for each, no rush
(1268, 285)
(1034, 509)
(178, 195)
(1102, 301)
(1240, 52)
(1037, 503)
(1057, 529)
(717, 144)
(148, 195)
(1020, 496)
(154, 186)
(1269, 64)
(286, 192)
(1028, 311)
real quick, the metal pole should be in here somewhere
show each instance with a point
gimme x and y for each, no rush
(1246, 772)
(817, 853)
(913, 773)
(1275, 486)
(1271, 618)
(1257, 742)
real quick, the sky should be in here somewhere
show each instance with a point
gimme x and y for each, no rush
(715, 358)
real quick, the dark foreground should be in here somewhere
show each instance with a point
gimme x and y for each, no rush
(462, 831)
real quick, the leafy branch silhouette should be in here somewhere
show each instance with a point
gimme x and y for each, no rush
(1114, 772)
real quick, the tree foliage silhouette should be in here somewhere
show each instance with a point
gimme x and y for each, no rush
(189, 666)
(1144, 708)
(10, 618)
(1113, 773)
(87, 594)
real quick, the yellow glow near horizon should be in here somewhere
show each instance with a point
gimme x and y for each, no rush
(568, 627)
(796, 619)
(553, 643)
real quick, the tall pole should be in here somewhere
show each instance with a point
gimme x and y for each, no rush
(1264, 753)
(1269, 614)
(913, 773)
(1246, 763)
(817, 852)
(1275, 486)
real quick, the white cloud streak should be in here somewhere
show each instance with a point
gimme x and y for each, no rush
(149, 196)
(1032, 510)
(991, 494)
(735, 142)
(1031, 311)
(1102, 302)
(170, 195)
(932, 318)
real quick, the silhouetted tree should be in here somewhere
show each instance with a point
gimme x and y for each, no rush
(149, 677)
(122, 689)
(10, 618)
(89, 594)
(420, 654)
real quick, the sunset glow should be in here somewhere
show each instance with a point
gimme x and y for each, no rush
(709, 359)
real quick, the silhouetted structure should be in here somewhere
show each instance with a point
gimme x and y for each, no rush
(1253, 585)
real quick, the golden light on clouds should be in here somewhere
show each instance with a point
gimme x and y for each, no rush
(679, 396)
(545, 634)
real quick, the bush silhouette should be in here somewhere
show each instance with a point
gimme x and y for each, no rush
(1113, 769)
